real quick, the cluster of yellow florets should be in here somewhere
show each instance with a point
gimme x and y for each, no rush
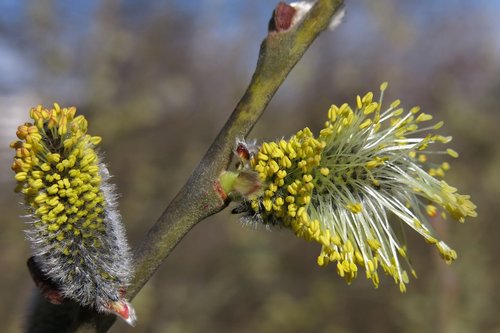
(57, 170)
(340, 188)
(75, 230)
(286, 167)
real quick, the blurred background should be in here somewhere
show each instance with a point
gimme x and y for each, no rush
(157, 80)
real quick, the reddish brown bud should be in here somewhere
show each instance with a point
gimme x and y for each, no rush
(282, 17)
(242, 151)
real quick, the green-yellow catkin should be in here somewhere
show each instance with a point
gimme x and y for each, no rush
(75, 229)
(341, 187)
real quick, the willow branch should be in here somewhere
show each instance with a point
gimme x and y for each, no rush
(201, 197)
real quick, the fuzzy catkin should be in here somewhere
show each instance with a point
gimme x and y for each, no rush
(75, 229)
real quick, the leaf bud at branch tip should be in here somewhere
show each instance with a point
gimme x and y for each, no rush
(287, 16)
(282, 17)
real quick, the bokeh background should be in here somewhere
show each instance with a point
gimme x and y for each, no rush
(157, 79)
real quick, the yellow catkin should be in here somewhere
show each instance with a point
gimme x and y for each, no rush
(315, 192)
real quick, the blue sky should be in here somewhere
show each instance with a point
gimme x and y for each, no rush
(16, 67)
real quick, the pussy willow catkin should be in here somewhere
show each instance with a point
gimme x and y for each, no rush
(367, 166)
(75, 229)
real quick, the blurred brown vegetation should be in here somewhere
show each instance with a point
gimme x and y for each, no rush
(157, 81)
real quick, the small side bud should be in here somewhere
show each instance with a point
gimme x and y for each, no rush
(226, 182)
(245, 151)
